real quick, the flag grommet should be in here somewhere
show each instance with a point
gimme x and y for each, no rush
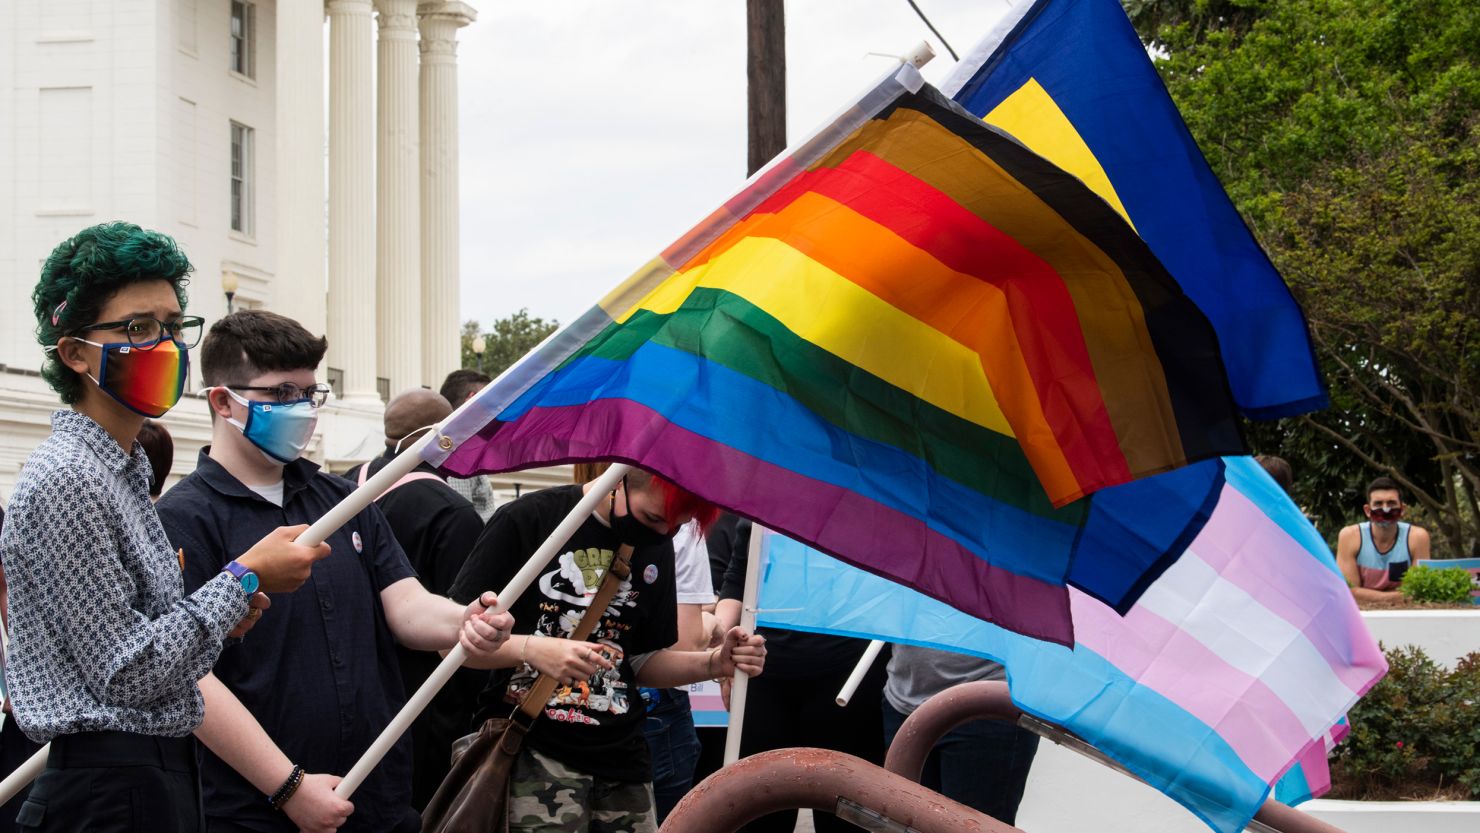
(445, 442)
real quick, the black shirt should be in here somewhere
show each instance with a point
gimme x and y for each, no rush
(595, 727)
(790, 655)
(722, 539)
(319, 670)
(436, 527)
(434, 524)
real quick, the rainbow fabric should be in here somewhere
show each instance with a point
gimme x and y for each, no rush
(1230, 675)
(912, 331)
(1071, 80)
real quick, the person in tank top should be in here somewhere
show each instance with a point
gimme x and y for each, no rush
(1374, 555)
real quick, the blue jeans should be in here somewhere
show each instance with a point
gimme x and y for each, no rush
(669, 730)
(983, 764)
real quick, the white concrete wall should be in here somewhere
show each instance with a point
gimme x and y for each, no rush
(79, 125)
(1445, 635)
(197, 98)
(1068, 793)
(1398, 816)
(121, 109)
(79, 120)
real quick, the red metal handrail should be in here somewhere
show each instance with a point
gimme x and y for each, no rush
(820, 779)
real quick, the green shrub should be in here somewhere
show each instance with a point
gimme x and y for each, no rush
(1446, 584)
(1415, 735)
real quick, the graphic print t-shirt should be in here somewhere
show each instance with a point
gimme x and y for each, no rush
(596, 725)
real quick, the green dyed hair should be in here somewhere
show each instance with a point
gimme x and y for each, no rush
(83, 273)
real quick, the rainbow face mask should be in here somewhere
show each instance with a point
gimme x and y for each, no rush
(147, 382)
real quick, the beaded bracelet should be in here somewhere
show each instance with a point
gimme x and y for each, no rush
(290, 786)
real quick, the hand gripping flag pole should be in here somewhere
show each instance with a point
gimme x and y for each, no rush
(323, 528)
(364, 496)
(454, 659)
(747, 621)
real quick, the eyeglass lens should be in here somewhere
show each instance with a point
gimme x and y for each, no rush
(147, 332)
(289, 392)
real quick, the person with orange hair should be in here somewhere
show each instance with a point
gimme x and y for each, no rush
(586, 766)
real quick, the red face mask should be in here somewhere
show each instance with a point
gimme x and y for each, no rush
(1386, 515)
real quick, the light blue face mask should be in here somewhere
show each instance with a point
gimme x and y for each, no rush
(280, 431)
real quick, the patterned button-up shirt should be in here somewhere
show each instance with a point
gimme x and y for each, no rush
(101, 634)
(477, 491)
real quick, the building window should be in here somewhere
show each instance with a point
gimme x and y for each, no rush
(241, 178)
(243, 40)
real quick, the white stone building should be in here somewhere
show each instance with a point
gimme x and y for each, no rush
(333, 200)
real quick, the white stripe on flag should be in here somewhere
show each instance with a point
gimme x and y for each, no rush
(1250, 637)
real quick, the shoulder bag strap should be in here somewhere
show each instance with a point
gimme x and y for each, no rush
(544, 685)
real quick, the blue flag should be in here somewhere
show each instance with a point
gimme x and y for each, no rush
(1072, 82)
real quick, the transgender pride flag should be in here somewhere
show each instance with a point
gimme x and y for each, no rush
(1229, 675)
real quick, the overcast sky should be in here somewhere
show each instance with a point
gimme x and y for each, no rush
(595, 132)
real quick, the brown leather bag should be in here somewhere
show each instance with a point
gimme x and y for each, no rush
(474, 797)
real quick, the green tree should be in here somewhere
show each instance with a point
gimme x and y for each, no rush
(1347, 133)
(505, 342)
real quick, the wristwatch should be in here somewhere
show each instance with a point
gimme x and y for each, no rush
(247, 578)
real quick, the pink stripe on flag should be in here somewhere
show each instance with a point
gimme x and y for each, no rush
(1251, 551)
(706, 702)
(1262, 730)
(1315, 767)
(832, 518)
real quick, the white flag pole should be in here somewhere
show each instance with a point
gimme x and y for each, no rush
(916, 57)
(747, 621)
(362, 497)
(24, 774)
(28, 771)
(352, 505)
(865, 662)
(454, 659)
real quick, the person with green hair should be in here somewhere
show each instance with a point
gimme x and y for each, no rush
(109, 659)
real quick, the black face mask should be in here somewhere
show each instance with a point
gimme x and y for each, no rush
(630, 530)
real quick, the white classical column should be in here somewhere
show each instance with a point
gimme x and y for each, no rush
(300, 287)
(440, 325)
(398, 201)
(352, 198)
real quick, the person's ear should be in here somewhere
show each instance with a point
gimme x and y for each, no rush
(220, 402)
(70, 352)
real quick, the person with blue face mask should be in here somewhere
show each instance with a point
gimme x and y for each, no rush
(320, 674)
(109, 658)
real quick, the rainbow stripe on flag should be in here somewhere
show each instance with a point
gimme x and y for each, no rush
(1071, 80)
(906, 343)
(1231, 674)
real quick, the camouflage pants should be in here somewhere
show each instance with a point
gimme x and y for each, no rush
(546, 796)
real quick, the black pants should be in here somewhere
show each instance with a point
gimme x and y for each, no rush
(785, 713)
(116, 782)
(983, 764)
(15, 749)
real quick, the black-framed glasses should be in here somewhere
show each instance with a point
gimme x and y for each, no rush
(287, 393)
(146, 333)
